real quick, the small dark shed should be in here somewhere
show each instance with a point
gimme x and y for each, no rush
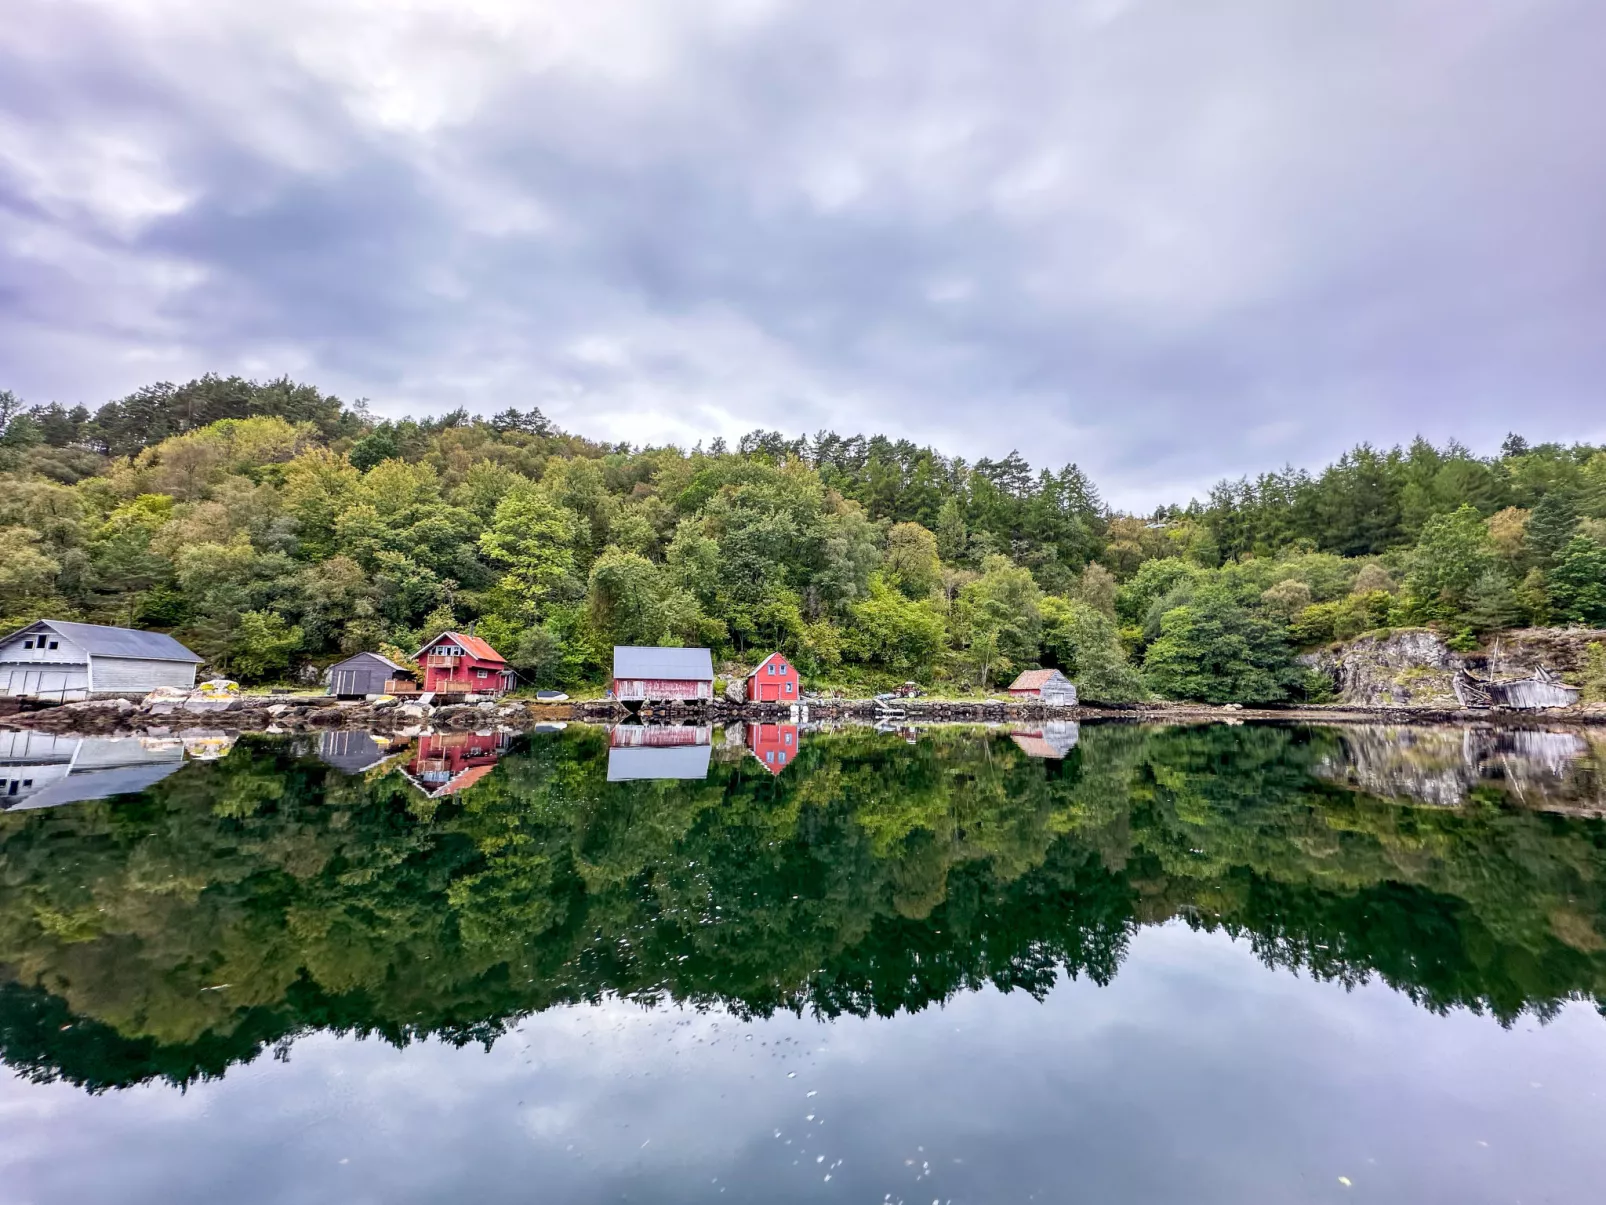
(364, 674)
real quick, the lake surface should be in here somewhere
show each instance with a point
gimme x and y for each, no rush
(1109, 963)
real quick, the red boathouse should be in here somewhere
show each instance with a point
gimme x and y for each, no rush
(774, 681)
(457, 664)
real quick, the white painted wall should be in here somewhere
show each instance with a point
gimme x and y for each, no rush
(133, 674)
(66, 652)
(64, 683)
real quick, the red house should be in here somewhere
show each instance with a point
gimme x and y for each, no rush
(457, 664)
(774, 681)
(775, 745)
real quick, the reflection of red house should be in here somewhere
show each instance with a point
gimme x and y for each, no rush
(774, 681)
(459, 664)
(775, 745)
(659, 736)
(448, 762)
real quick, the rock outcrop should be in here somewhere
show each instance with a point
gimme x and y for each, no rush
(1410, 667)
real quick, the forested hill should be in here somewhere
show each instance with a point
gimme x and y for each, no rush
(274, 528)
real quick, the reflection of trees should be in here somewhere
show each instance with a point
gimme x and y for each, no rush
(249, 900)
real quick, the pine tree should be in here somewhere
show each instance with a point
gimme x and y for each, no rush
(1550, 526)
(1491, 603)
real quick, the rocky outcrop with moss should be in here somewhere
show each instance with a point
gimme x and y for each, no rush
(1414, 667)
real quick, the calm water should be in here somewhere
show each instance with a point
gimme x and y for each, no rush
(1212, 964)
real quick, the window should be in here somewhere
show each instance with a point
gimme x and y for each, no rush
(770, 668)
(780, 758)
(788, 738)
(770, 757)
(27, 644)
(52, 644)
(788, 688)
(479, 673)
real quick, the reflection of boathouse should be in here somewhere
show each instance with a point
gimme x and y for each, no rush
(775, 745)
(646, 751)
(40, 770)
(1053, 740)
(352, 752)
(448, 762)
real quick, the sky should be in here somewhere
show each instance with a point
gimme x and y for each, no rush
(1170, 241)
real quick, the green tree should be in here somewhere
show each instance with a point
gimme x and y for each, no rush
(999, 620)
(952, 536)
(912, 563)
(1454, 552)
(1550, 526)
(626, 595)
(895, 632)
(1576, 583)
(1216, 650)
(1097, 587)
(263, 645)
(1084, 643)
(529, 538)
(1491, 603)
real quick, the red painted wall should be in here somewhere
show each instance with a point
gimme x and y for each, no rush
(783, 685)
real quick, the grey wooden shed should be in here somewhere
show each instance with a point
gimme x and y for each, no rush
(364, 674)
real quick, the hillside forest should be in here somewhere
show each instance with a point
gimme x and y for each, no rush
(274, 528)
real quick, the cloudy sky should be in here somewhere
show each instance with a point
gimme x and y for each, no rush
(1168, 239)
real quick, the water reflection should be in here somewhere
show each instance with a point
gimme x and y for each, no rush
(1052, 739)
(354, 752)
(284, 889)
(659, 751)
(445, 763)
(774, 745)
(1447, 767)
(39, 770)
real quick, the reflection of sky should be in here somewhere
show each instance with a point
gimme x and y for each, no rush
(1196, 1076)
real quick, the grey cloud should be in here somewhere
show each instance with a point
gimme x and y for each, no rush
(1169, 241)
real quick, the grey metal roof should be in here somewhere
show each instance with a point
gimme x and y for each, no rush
(99, 641)
(635, 661)
(374, 656)
(648, 761)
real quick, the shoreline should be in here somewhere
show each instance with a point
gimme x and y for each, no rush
(279, 714)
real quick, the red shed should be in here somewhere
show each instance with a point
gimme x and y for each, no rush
(454, 663)
(775, 745)
(774, 681)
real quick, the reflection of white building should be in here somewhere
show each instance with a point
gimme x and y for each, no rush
(649, 761)
(1053, 740)
(39, 770)
(646, 751)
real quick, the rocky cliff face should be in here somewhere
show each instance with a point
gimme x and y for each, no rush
(1412, 667)
(1525, 650)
